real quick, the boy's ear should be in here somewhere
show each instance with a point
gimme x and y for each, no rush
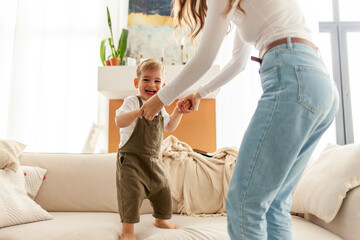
(136, 83)
(163, 84)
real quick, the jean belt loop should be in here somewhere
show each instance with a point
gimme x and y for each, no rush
(289, 43)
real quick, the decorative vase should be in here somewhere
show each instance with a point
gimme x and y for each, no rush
(107, 63)
(114, 61)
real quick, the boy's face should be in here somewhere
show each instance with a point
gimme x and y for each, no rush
(149, 83)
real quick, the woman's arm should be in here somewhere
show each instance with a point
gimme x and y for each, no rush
(214, 31)
(237, 63)
(240, 54)
(215, 28)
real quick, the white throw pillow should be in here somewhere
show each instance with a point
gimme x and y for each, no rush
(15, 205)
(34, 177)
(10, 150)
(324, 185)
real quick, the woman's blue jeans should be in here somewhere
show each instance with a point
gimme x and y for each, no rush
(298, 104)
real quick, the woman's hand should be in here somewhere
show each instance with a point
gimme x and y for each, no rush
(150, 108)
(190, 103)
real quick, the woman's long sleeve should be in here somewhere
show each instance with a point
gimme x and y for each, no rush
(214, 31)
(240, 56)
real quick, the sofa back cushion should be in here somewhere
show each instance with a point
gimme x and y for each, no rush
(76, 182)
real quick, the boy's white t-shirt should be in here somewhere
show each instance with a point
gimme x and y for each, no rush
(131, 103)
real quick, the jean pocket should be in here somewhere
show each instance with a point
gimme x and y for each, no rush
(314, 89)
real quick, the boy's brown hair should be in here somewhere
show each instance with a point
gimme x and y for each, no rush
(150, 64)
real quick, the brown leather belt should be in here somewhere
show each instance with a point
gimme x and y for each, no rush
(281, 41)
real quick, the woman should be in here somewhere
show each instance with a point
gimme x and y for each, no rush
(298, 103)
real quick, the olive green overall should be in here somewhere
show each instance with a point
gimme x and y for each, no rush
(141, 174)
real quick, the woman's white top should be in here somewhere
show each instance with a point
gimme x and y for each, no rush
(264, 22)
(131, 103)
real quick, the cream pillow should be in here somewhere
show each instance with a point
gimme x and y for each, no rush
(15, 205)
(324, 185)
(10, 150)
(34, 177)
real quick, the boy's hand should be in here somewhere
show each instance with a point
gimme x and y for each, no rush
(184, 105)
(190, 103)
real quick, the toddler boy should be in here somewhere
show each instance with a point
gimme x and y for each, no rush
(140, 173)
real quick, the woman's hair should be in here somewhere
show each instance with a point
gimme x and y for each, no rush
(149, 64)
(193, 12)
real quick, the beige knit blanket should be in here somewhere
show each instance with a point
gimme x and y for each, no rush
(197, 182)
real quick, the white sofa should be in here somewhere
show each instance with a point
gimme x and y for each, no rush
(80, 193)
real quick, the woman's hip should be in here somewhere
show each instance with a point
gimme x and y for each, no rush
(298, 74)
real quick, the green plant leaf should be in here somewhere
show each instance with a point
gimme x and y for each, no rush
(122, 43)
(109, 21)
(103, 51)
(112, 48)
(111, 42)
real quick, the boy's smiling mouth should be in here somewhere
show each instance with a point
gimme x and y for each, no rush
(151, 92)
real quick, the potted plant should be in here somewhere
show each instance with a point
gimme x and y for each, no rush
(104, 60)
(117, 54)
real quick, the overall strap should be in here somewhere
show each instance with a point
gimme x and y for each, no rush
(146, 137)
(140, 101)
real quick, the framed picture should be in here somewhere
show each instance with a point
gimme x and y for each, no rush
(151, 33)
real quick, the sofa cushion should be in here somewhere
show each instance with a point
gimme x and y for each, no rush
(15, 205)
(215, 228)
(68, 226)
(324, 185)
(305, 230)
(346, 222)
(10, 150)
(34, 177)
(76, 182)
(204, 228)
(107, 226)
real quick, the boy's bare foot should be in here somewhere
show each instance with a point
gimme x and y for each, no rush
(127, 237)
(160, 223)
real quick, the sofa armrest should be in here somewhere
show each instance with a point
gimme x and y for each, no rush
(347, 221)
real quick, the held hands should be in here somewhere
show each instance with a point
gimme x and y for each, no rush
(183, 106)
(190, 103)
(151, 107)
